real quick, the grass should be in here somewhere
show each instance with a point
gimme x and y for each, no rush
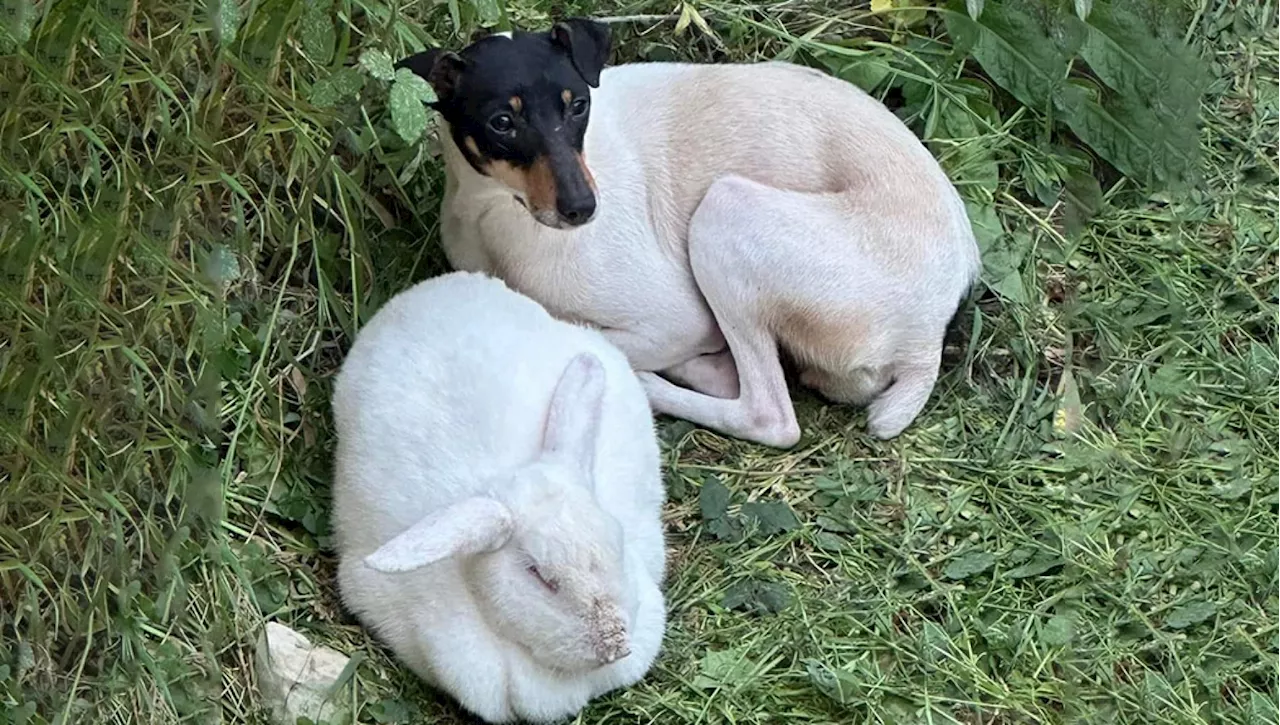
(1082, 527)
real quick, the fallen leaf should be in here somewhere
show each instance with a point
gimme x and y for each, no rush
(771, 517)
(713, 499)
(754, 595)
(1058, 631)
(1190, 614)
(725, 668)
(969, 564)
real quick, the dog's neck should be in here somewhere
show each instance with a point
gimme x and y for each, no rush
(470, 182)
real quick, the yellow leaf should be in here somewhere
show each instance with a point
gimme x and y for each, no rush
(1070, 414)
(879, 6)
(686, 17)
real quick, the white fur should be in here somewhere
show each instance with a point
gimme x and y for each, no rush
(742, 208)
(477, 434)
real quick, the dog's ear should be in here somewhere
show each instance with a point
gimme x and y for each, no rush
(440, 68)
(587, 43)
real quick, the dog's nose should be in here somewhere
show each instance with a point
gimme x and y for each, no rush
(576, 210)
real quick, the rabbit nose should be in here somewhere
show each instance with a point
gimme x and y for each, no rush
(609, 656)
(608, 632)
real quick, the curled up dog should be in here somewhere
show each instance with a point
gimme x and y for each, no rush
(707, 219)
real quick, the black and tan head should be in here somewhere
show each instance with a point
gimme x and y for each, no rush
(517, 107)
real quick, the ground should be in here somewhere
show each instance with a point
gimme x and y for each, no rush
(200, 210)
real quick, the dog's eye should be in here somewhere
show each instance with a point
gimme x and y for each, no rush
(502, 123)
(578, 107)
(548, 583)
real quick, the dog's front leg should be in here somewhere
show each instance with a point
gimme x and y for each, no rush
(761, 412)
(711, 374)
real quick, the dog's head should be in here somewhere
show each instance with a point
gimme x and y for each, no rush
(517, 106)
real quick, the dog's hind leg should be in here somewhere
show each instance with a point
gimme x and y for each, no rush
(832, 282)
(726, 236)
(894, 409)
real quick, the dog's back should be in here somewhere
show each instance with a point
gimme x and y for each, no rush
(782, 125)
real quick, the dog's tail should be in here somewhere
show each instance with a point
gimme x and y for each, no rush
(894, 409)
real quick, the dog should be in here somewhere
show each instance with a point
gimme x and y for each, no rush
(708, 219)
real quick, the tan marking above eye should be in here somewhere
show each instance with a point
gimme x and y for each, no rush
(567, 96)
(516, 103)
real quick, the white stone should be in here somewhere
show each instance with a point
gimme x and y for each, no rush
(295, 676)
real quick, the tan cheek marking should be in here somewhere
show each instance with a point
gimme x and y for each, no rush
(509, 175)
(516, 103)
(591, 180)
(566, 95)
(540, 186)
(472, 147)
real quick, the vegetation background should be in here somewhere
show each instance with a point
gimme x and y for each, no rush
(200, 204)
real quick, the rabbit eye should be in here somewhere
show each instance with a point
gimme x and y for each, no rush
(548, 583)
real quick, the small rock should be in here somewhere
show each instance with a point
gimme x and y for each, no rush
(295, 677)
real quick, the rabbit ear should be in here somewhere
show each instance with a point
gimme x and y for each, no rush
(470, 526)
(573, 421)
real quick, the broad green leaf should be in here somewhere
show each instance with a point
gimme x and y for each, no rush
(1268, 100)
(968, 564)
(221, 267)
(968, 159)
(762, 597)
(1157, 691)
(987, 229)
(1009, 286)
(1016, 50)
(772, 517)
(858, 683)
(1190, 614)
(379, 65)
(727, 528)
(1262, 709)
(408, 114)
(1058, 631)
(225, 18)
(828, 541)
(1038, 565)
(348, 82)
(935, 643)
(1082, 200)
(488, 11)
(317, 33)
(19, 18)
(725, 668)
(867, 72)
(1232, 489)
(830, 524)
(1155, 86)
(343, 84)
(713, 499)
(415, 84)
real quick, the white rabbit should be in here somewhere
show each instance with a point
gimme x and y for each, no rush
(497, 500)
